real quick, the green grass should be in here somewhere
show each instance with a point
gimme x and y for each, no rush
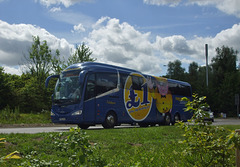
(146, 145)
(153, 146)
(12, 117)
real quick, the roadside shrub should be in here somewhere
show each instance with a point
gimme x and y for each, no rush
(206, 145)
(73, 150)
(78, 148)
(8, 114)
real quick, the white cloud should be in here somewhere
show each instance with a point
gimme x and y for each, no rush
(120, 44)
(78, 28)
(171, 3)
(100, 22)
(231, 7)
(12, 70)
(175, 44)
(16, 40)
(194, 49)
(55, 9)
(117, 43)
(73, 18)
(66, 3)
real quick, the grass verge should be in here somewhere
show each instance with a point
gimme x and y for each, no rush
(153, 146)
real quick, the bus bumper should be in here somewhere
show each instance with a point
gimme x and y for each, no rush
(73, 118)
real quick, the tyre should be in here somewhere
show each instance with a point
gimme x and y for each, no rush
(167, 119)
(152, 124)
(143, 125)
(176, 118)
(83, 126)
(110, 120)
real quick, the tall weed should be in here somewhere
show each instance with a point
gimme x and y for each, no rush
(8, 114)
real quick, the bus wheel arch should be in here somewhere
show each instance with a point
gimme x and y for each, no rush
(143, 125)
(110, 120)
(167, 119)
(83, 126)
(176, 118)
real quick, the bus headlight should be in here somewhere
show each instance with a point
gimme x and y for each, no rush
(52, 114)
(79, 112)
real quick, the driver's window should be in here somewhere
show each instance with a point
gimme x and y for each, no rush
(90, 88)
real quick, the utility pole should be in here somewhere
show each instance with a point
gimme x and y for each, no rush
(206, 52)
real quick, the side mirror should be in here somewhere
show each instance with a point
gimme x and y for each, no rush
(50, 77)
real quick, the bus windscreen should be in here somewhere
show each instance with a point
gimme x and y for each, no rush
(68, 88)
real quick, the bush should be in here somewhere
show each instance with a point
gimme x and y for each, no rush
(206, 145)
(8, 114)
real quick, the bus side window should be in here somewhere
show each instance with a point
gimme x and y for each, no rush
(178, 89)
(106, 82)
(171, 88)
(90, 88)
(123, 78)
(137, 82)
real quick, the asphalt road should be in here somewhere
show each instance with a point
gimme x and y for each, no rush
(31, 130)
(228, 121)
(60, 128)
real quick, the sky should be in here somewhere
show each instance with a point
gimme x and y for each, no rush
(139, 34)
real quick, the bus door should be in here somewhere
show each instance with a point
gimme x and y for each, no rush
(107, 94)
(89, 104)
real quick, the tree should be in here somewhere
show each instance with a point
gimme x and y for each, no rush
(40, 63)
(39, 60)
(5, 90)
(192, 76)
(193, 69)
(224, 62)
(175, 71)
(225, 81)
(82, 54)
(57, 64)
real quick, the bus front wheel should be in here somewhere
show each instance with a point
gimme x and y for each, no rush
(83, 126)
(143, 125)
(110, 120)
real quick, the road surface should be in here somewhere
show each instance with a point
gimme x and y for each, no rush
(32, 130)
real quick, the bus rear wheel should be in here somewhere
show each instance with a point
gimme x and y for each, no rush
(176, 118)
(110, 121)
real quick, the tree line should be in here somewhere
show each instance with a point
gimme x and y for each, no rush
(27, 92)
(223, 79)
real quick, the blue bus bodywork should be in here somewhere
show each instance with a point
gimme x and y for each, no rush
(92, 93)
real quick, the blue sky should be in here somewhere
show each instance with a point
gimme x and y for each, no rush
(140, 34)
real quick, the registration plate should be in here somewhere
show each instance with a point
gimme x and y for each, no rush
(62, 119)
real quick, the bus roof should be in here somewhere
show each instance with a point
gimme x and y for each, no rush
(179, 82)
(95, 66)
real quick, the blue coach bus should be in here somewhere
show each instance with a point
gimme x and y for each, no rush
(93, 93)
